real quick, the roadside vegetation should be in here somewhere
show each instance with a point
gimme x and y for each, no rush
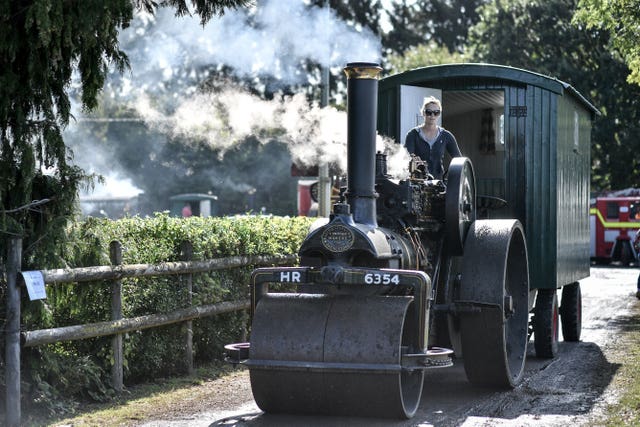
(60, 378)
(163, 398)
(626, 383)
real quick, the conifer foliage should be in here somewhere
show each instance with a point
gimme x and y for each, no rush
(42, 44)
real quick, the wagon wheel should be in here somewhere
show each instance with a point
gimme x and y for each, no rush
(626, 255)
(332, 355)
(571, 312)
(495, 284)
(460, 203)
(545, 323)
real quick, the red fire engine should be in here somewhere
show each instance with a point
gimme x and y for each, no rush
(614, 222)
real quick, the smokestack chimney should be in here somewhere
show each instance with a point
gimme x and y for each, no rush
(362, 105)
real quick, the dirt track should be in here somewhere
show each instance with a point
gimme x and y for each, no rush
(567, 390)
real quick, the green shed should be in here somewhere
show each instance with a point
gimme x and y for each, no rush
(528, 137)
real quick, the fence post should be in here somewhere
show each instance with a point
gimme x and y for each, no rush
(12, 333)
(115, 255)
(186, 254)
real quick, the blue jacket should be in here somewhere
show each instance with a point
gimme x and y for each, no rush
(434, 156)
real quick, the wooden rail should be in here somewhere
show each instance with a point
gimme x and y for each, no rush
(113, 272)
(121, 326)
(117, 326)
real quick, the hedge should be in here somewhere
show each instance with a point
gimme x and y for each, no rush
(58, 376)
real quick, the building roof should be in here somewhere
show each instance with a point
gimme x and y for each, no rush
(190, 197)
(420, 76)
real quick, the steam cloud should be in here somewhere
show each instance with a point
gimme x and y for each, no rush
(170, 56)
(282, 35)
(314, 135)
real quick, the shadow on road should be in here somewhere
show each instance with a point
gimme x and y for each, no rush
(626, 323)
(569, 385)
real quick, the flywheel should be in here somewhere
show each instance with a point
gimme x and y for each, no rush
(460, 203)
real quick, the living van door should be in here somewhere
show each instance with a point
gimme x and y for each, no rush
(411, 98)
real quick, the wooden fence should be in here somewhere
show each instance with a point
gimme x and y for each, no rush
(117, 326)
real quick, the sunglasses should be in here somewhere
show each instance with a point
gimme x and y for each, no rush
(431, 112)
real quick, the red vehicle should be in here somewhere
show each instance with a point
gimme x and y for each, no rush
(614, 223)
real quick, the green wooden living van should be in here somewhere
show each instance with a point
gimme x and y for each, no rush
(528, 137)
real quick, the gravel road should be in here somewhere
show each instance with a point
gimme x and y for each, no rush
(568, 390)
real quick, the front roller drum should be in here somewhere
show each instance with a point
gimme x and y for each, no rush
(332, 355)
(495, 284)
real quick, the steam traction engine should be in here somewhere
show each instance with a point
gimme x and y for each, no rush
(401, 270)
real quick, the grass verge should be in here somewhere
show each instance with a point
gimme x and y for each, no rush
(166, 398)
(626, 383)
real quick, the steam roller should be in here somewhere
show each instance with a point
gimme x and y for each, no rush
(401, 278)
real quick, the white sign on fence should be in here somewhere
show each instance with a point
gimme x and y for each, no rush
(35, 284)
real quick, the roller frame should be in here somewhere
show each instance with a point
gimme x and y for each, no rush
(340, 352)
(353, 277)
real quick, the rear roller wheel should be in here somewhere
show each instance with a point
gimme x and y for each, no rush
(545, 324)
(332, 355)
(571, 312)
(495, 284)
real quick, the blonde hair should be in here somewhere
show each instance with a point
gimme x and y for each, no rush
(430, 100)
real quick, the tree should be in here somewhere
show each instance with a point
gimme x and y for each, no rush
(621, 18)
(363, 13)
(360, 15)
(42, 44)
(403, 33)
(445, 22)
(538, 35)
(421, 56)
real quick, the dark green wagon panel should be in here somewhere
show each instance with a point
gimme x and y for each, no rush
(539, 163)
(573, 177)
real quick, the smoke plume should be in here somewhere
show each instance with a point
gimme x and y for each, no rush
(314, 135)
(272, 39)
(271, 42)
(282, 35)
